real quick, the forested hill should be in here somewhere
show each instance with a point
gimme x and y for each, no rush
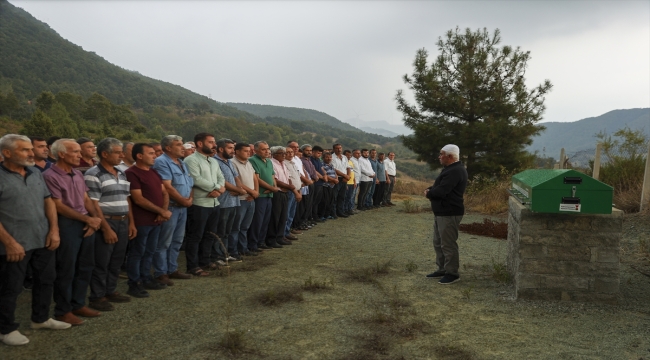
(35, 58)
(293, 113)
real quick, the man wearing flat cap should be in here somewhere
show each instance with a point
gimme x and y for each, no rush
(446, 196)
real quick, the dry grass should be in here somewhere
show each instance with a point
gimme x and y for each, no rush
(628, 200)
(410, 187)
(488, 199)
(316, 285)
(411, 207)
(370, 274)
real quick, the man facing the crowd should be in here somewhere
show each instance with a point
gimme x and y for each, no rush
(178, 183)
(109, 191)
(449, 186)
(150, 208)
(391, 171)
(78, 221)
(28, 233)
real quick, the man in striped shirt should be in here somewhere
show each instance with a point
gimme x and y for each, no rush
(109, 191)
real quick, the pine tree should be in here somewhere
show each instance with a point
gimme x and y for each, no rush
(473, 95)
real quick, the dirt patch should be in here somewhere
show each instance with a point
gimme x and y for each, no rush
(476, 318)
(492, 228)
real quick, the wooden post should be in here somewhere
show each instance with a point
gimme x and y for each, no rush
(645, 191)
(596, 172)
(562, 160)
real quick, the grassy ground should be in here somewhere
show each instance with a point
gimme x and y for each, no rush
(355, 289)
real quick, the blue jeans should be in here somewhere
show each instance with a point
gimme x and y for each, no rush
(292, 205)
(238, 239)
(143, 246)
(226, 219)
(371, 192)
(260, 223)
(172, 232)
(75, 261)
(349, 197)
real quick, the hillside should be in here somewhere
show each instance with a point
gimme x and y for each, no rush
(579, 135)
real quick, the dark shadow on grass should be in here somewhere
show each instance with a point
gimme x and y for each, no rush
(450, 352)
(276, 297)
(370, 274)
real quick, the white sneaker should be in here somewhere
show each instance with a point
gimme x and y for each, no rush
(51, 324)
(222, 263)
(14, 338)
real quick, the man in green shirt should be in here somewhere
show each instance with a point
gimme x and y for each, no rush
(208, 185)
(261, 162)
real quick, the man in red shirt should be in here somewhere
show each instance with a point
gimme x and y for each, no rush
(150, 203)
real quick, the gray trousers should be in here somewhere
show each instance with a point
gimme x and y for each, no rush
(108, 259)
(445, 234)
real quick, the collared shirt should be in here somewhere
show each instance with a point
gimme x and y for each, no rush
(373, 164)
(331, 172)
(318, 165)
(69, 187)
(109, 190)
(150, 184)
(123, 166)
(229, 172)
(207, 175)
(352, 180)
(84, 166)
(304, 190)
(42, 169)
(246, 175)
(22, 208)
(264, 168)
(365, 168)
(179, 174)
(340, 164)
(381, 171)
(308, 167)
(293, 173)
(391, 169)
(356, 167)
(280, 171)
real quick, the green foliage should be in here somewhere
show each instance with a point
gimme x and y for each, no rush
(39, 125)
(623, 157)
(473, 95)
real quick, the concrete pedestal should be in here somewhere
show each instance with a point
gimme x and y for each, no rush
(571, 257)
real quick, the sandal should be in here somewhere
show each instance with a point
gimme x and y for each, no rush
(198, 272)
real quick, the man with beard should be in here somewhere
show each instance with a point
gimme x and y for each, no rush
(223, 251)
(41, 153)
(208, 186)
(28, 232)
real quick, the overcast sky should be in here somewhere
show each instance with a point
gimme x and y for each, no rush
(348, 58)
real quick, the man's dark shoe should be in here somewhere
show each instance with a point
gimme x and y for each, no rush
(436, 274)
(291, 237)
(101, 304)
(265, 247)
(164, 279)
(449, 279)
(136, 290)
(276, 246)
(341, 215)
(154, 285)
(284, 242)
(296, 232)
(118, 298)
(177, 275)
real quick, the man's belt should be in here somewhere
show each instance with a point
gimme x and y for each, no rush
(117, 217)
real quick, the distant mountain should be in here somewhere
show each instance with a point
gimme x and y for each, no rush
(380, 127)
(580, 135)
(292, 113)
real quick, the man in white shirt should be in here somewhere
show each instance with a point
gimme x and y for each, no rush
(365, 179)
(391, 170)
(342, 169)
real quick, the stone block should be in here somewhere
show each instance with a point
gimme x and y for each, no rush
(566, 283)
(607, 224)
(529, 281)
(606, 286)
(600, 240)
(540, 294)
(607, 255)
(528, 251)
(568, 253)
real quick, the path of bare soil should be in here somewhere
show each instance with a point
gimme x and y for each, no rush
(371, 311)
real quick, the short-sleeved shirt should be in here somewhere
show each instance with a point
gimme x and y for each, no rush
(177, 173)
(70, 187)
(150, 183)
(351, 165)
(280, 171)
(293, 173)
(340, 164)
(381, 171)
(229, 173)
(246, 175)
(331, 172)
(22, 208)
(265, 170)
(109, 190)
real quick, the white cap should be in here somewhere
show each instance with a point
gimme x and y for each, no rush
(451, 149)
(188, 146)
